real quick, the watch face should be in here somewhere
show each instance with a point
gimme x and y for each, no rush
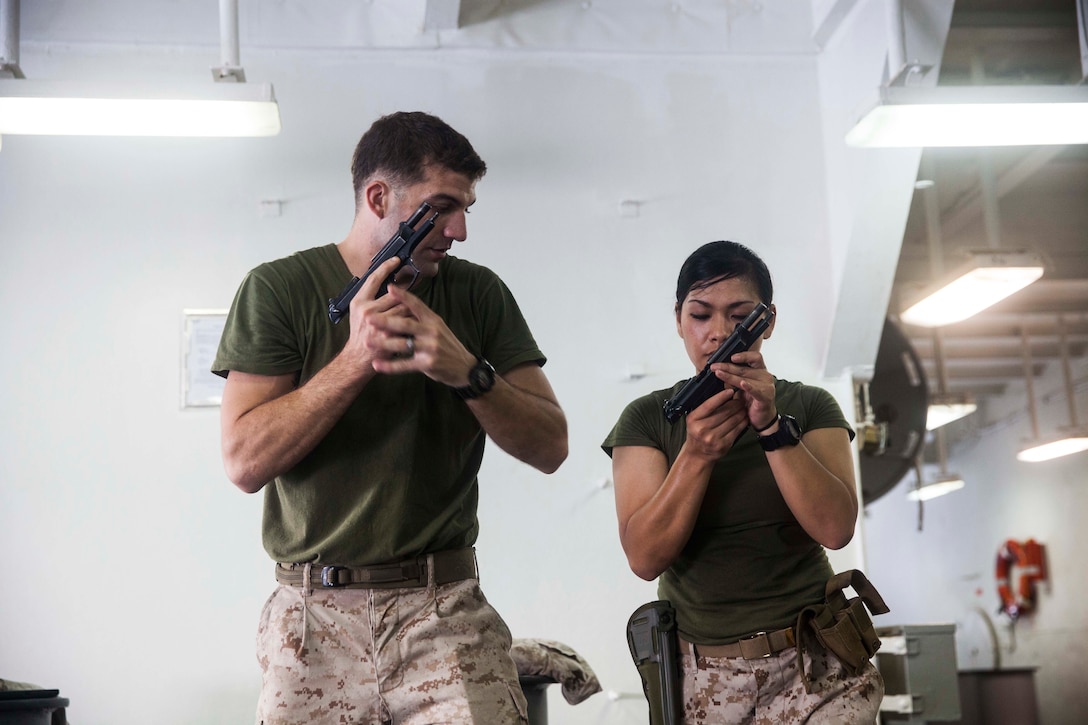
(481, 377)
(788, 434)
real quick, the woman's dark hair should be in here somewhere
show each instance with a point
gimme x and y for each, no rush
(402, 145)
(716, 261)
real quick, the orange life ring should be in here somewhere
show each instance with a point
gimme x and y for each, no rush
(1031, 565)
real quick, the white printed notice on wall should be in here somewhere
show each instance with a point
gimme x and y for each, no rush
(200, 388)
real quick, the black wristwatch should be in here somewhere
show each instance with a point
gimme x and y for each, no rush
(788, 434)
(481, 378)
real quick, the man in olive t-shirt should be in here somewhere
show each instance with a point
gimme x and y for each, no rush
(367, 436)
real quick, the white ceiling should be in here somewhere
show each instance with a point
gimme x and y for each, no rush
(567, 26)
(1042, 193)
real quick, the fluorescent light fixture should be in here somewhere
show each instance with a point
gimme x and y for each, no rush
(943, 485)
(73, 109)
(987, 277)
(943, 409)
(974, 116)
(1075, 438)
(1064, 446)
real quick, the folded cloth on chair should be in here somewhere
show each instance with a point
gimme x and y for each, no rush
(558, 662)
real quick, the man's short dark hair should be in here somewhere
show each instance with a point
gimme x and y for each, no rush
(401, 145)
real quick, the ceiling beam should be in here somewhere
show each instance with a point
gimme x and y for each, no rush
(968, 209)
(832, 21)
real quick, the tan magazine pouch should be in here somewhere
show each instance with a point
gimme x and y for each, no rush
(842, 625)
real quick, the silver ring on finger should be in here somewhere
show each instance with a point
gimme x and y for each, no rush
(410, 347)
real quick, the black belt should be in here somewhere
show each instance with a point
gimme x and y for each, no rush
(758, 646)
(447, 566)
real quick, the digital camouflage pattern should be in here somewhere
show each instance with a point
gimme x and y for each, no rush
(769, 691)
(386, 656)
(559, 663)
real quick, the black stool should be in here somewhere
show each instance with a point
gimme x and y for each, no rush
(535, 689)
(32, 707)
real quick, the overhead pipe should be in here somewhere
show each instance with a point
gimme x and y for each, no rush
(936, 260)
(1070, 395)
(9, 36)
(936, 268)
(229, 55)
(1029, 383)
(990, 215)
(932, 206)
(901, 70)
(987, 178)
(1082, 33)
(897, 42)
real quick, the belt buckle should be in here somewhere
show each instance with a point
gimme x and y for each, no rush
(329, 576)
(767, 645)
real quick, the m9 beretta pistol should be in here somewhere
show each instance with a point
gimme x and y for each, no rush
(697, 390)
(403, 243)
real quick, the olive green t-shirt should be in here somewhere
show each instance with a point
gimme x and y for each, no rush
(748, 566)
(396, 475)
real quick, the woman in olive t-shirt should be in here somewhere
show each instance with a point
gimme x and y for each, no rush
(732, 506)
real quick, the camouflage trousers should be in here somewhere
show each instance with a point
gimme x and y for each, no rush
(769, 691)
(391, 656)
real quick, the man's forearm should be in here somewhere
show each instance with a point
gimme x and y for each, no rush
(522, 417)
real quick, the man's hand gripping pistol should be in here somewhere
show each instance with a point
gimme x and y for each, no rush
(401, 246)
(697, 390)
